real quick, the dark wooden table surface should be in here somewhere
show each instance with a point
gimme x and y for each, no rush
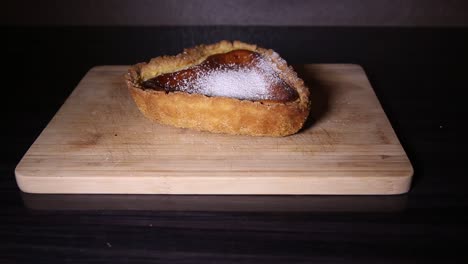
(419, 76)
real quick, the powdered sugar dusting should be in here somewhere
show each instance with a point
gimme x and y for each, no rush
(251, 82)
(234, 83)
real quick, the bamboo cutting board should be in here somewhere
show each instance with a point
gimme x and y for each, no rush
(98, 142)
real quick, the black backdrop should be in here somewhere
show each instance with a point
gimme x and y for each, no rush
(405, 13)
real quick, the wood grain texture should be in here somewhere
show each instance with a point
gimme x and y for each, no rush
(98, 142)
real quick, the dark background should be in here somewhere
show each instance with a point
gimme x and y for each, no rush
(407, 13)
(414, 53)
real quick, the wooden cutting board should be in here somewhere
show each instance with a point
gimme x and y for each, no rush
(98, 142)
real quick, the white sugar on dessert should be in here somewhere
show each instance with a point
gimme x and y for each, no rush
(234, 81)
(240, 83)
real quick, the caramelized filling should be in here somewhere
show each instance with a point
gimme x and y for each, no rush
(240, 74)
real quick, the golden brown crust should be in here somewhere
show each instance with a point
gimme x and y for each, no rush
(218, 114)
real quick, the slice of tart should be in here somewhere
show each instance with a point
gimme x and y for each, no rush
(227, 87)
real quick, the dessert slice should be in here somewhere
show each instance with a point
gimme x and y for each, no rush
(234, 88)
